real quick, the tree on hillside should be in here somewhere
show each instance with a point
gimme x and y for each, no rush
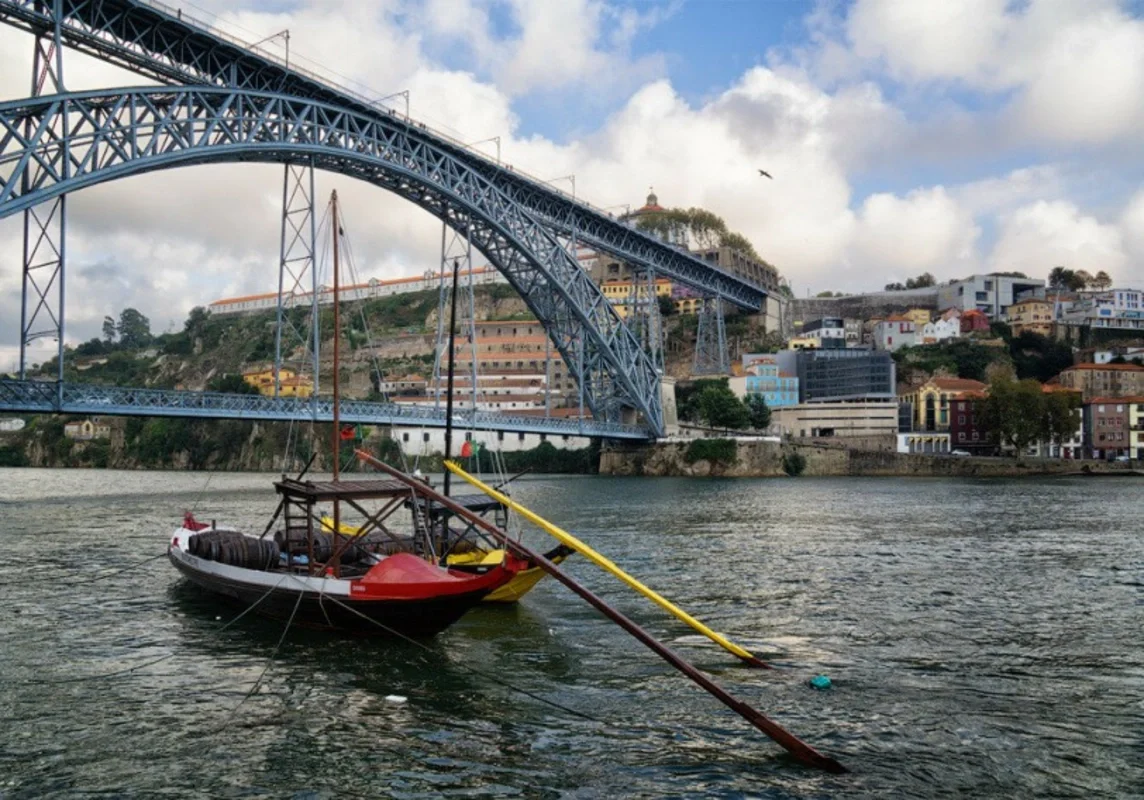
(759, 411)
(666, 305)
(1067, 280)
(108, 329)
(1039, 357)
(1102, 281)
(231, 384)
(134, 329)
(1061, 416)
(720, 408)
(704, 228)
(1083, 279)
(1014, 413)
(923, 281)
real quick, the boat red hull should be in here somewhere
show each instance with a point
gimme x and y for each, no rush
(349, 613)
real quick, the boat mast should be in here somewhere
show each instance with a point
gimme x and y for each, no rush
(449, 389)
(337, 436)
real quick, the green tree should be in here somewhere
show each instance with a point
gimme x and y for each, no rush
(759, 411)
(666, 305)
(720, 408)
(134, 329)
(1014, 413)
(1061, 416)
(232, 384)
(1102, 281)
(108, 330)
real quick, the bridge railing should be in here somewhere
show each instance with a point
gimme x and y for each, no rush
(46, 397)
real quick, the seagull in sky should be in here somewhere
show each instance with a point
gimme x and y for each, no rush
(766, 174)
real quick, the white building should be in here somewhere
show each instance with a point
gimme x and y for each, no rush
(1121, 309)
(360, 291)
(894, 332)
(941, 329)
(429, 441)
(826, 332)
(991, 293)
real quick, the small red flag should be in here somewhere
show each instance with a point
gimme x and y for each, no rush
(347, 433)
(467, 450)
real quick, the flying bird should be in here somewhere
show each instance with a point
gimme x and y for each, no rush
(767, 174)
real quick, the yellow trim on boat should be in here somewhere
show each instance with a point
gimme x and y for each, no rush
(571, 541)
(343, 528)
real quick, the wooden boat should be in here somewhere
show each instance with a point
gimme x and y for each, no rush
(376, 580)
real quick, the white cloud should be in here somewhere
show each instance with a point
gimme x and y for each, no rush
(1041, 235)
(168, 241)
(926, 231)
(1065, 72)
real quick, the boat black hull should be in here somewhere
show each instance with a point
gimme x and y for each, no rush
(369, 617)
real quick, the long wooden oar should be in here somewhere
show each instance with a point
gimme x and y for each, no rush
(564, 537)
(788, 741)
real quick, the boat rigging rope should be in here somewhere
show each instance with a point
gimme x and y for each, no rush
(102, 676)
(479, 673)
(99, 577)
(269, 661)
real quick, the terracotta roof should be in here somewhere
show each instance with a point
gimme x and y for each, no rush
(1112, 367)
(958, 384)
(1114, 400)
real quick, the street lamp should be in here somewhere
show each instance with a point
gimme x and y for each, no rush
(403, 93)
(485, 141)
(571, 178)
(285, 35)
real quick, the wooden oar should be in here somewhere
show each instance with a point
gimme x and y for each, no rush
(788, 741)
(607, 565)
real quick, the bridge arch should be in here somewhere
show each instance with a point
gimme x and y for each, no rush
(59, 144)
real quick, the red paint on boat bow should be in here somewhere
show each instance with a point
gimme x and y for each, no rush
(404, 576)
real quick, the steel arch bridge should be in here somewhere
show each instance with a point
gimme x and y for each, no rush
(243, 106)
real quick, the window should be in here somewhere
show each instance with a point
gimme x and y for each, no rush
(500, 436)
(961, 436)
(405, 436)
(424, 437)
(520, 437)
(468, 436)
(960, 419)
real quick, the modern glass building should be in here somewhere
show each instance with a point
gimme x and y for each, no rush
(766, 379)
(840, 374)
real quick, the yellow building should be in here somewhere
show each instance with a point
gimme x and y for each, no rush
(291, 384)
(1135, 427)
(1031, 315)
(802, 343)
(918, 316)
(931, 401)
(619, 293)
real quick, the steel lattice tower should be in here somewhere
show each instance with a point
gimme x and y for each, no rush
(45, 226)
(456, 248)
(711, 340)
(296, 259)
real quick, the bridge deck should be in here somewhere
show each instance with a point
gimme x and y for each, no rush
(43, 397)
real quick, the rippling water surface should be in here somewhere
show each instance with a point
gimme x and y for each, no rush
(984, 638)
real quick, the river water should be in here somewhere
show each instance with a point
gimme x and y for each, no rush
(984, 639)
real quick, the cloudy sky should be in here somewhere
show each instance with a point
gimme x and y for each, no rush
(903, 137)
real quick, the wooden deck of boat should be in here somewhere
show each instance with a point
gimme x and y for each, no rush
(322, 491)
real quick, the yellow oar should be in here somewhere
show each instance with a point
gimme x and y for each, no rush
(568, 539)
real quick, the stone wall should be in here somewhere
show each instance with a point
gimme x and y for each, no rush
(757, 459)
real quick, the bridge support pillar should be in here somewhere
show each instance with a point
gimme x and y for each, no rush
(667, 403)
(45, 226)
(711, 340)
(296, 265)
(456, 247)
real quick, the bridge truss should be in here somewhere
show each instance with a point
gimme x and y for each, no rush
(232, 103)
